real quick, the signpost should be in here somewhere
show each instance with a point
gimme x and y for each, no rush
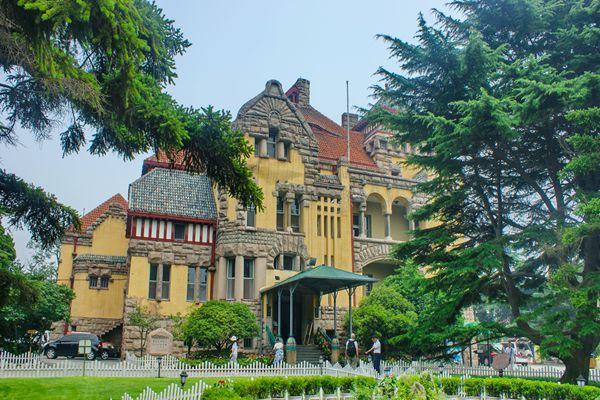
(501, 362)
(85, 347)
(160, 343)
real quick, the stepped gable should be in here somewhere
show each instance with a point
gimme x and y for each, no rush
(173, 192)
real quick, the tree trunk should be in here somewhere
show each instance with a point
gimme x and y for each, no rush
(576, 365)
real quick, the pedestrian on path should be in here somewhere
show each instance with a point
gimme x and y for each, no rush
(234, 350)
(278, 348)
(375, 351)
(352, 351)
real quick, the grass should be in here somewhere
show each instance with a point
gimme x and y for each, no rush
(80, 388)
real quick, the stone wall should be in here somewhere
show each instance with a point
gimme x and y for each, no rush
(180, 253)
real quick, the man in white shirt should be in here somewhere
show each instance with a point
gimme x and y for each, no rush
(234, 350)
(375, 351)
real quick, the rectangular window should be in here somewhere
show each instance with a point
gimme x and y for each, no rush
(166, 281)
(248, 343)
(153, 283)
(179, 231)
(332, 233)
(280, 212)
(272, 142)
(295, 214)
(319, 225)
(191, 283)
(202, 284)
(248, 278)
(356, 225)
(325, 219)
(256, 147)
(286, 151)
(104, 282)
(339, 227)
(288, 262)
(230, 279)
(93, 282)
(368, 230)
(251, 216)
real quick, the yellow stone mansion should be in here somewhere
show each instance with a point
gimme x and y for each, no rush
(178, 241)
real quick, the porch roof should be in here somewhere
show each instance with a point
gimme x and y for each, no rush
(323, 279)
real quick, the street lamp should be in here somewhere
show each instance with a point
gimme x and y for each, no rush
(183, 377)
(580, 381)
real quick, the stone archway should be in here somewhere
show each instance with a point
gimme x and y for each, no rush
(370, 251)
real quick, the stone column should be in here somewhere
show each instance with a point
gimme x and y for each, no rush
(281, 150)
(262, 148)
(388, 228)
(260, 275)
(362, 222)
(239, 277)
(221, 279)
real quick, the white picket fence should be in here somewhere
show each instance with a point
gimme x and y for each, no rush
(33, 365)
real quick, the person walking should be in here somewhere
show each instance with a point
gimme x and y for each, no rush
(278, 348)
(234, 350)
(352, 351)
(375, 351)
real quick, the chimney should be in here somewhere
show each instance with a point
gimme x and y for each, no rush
(303, 86)
(352, 118)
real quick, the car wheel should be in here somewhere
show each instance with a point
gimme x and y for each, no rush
(51, 354)
(90, 356)
(104, 355)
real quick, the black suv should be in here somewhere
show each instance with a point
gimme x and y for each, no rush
(68, 346)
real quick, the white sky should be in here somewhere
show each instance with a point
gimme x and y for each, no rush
(236, 47)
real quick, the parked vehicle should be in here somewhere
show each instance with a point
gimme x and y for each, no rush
(68, 346)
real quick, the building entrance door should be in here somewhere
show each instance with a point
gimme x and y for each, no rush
(284, 324)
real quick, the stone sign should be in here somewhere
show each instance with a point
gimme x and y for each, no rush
(159, 342)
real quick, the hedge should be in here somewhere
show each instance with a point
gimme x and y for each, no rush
(517, 388)
(261, 388)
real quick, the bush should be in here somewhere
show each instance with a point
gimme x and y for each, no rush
(276, 386)
(221, 393)
(517, 388)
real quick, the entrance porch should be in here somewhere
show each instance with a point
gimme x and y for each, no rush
(293, 306)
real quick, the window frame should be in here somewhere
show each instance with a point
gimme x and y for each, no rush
(272, 139)
(295, 214)
(175, 225)
(93, 281)
(230, 278)
(161, 285)
(249, 262)
(280, 213)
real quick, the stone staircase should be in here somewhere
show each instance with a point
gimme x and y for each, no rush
(308, 352)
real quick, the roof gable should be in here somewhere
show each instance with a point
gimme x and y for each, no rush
(89, 219)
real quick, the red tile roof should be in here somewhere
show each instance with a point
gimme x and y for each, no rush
(88, 219)
(332, 139)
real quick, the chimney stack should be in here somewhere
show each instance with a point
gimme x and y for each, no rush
(352, 118)
(303, 86)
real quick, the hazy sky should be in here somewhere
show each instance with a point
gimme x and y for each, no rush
(236, 47)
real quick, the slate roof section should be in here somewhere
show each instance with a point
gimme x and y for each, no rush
(173, 192)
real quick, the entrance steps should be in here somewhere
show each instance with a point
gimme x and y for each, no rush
(308, 352)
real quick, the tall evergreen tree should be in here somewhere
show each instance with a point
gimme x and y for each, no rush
(502, 105)
(103, 66)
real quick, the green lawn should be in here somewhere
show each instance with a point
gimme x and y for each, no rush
(80, 388)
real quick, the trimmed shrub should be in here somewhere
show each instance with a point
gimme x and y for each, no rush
(517, 388)
(276, 386)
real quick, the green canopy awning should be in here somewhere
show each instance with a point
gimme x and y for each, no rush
(323, 279)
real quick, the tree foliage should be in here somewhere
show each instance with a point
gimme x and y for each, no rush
(216, 321)
(503, 107)
(30, 301)
(103, 66)
(144, 320)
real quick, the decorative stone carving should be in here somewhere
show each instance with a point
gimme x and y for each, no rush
(367, 251)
